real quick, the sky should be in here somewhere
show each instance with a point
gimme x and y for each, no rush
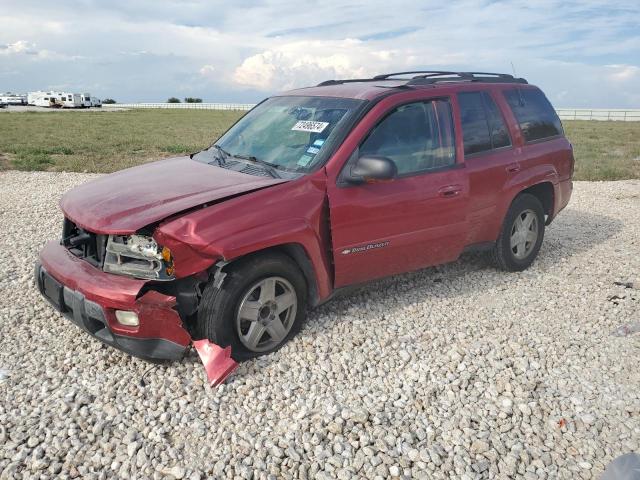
(583, 54)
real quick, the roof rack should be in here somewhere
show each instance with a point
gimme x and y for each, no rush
(430, 77)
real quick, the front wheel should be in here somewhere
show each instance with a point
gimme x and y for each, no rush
(259, 306)
(521, 234)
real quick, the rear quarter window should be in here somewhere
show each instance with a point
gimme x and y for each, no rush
(537, 118)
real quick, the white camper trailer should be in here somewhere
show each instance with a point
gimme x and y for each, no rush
(13, 98)
(33, 96)
(47, 99)
(62, 99)
(55, 99)
(71, 100)
(85, 100)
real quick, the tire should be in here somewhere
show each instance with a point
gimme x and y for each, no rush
(247, 283)
(518, 257)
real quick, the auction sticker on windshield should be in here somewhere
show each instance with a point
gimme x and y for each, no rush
(309, 126)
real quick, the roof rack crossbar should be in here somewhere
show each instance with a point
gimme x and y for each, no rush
(429, 77)
(385, 76)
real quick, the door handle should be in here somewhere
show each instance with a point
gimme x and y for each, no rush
(450, 191)
(513, 168)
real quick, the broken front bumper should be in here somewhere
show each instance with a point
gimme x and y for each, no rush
(89, 298)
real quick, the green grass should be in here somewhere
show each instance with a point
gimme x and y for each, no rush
(605, 150)
(105, 141)
(110, 141)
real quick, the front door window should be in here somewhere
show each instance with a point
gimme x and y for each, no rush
(417, 136)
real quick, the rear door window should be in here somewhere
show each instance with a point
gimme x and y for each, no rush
(537, 118)
(499, 131)
(483, 127)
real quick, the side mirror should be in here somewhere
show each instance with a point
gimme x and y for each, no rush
(372, 168)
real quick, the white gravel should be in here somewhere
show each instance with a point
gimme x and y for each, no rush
(456, 372)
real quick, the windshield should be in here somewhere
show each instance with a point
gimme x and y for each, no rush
(288, 133)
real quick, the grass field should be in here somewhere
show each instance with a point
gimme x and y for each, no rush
(105, 141)
(109, 141)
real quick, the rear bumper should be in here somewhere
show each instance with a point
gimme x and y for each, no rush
(89, 297)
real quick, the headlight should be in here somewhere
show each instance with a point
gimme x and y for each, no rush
(138, 256)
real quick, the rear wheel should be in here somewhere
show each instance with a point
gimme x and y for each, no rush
(521, 234)
(259, 306)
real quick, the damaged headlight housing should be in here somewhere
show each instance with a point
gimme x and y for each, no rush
(138, 256)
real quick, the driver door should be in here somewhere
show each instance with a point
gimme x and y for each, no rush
(414, 220)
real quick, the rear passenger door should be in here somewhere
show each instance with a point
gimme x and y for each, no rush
(490, 160)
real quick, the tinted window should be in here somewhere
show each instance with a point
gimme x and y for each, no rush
(536, 116)
(417, 137)
(475, 126)
(483, 127)
(499, 132)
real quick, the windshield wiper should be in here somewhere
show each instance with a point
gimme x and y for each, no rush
(269, 167)
(222, 155)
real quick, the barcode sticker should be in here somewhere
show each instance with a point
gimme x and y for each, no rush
(310, 126)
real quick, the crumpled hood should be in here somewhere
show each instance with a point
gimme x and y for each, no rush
(126, 201)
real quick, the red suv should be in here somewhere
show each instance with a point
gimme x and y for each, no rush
(311, 191)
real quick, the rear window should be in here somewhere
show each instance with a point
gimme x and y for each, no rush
(483, 127)
(536, 116)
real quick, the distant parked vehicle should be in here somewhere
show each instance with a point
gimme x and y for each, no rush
(3, 105)
(62, 99)
(42, 99)
(49, 100)
(85, 100)
(13, 99)
(32, 97)
(71, 100)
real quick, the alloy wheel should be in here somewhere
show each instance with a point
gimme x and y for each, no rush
(266, 314)
(524, 234)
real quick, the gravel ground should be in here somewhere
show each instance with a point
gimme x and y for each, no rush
(456, 372)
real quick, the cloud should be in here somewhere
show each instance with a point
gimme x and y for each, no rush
(23, 47)
(17, 48)
(298, 64)
(207, 70)
(244, 50)
(623, 73)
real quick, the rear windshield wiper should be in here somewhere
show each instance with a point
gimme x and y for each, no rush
(269, 167)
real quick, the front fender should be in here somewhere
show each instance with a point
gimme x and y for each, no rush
(289, 213)
(295, 231)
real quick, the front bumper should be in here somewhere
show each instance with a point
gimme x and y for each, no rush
(89, 297)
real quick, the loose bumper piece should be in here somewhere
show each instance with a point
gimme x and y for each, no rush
(217, 361)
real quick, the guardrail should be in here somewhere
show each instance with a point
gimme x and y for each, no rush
(629, 115)
(599, 114)
(196, 106)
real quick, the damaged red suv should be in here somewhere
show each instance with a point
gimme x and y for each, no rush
(311, 191)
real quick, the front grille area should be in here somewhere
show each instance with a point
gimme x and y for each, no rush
(84, 244)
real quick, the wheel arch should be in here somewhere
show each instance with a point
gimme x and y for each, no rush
(296, 252)
(545, 192)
